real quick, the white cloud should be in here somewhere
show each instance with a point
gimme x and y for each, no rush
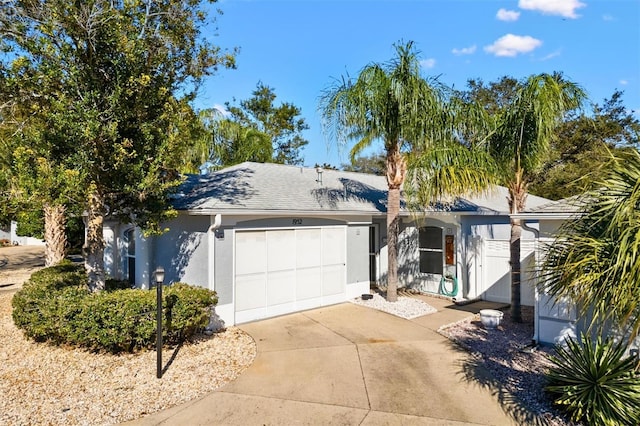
(428, 63)
(624, 82)
(507, 15)
(608, 18)
(565, 8)
(512, 45)
(551, 55)
(465, 50)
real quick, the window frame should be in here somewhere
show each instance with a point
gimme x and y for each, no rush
(130, 254)
(426, 251)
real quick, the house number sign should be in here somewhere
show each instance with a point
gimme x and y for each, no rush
(297, 221)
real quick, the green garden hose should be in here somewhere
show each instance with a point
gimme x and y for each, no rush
(443, 288)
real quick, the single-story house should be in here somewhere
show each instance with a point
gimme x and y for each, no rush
(272, 239)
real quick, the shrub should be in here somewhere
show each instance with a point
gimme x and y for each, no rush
(187, 310)
(121, 320)
(595, 383)
(48, 301)
(55, 306)
(112, 284)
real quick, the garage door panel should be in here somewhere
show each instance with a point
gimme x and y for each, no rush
(251, 252)
(308, 248)
(251, 291)
(308, 283)
(281, 287)
(333, 280)
(281, 250)
(333, 246)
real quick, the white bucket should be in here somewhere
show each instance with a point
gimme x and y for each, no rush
(490, 318)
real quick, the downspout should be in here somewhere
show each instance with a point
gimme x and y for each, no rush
(536, 320)
(216, 221)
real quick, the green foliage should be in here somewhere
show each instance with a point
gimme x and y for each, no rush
(104, 89)
(281, 123)
(582, 147)
(55, 306)
(595, 383)
(527, 125)
(186, 310)
(373, 164)
(235, 143)
(595, 258)
(48, 301)
(121, 320)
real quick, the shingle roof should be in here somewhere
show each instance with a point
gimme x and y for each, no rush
(261, 188)
(566, 205)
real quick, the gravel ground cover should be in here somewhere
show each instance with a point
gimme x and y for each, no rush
(517, 369)
(48, 385)
(55, 385)
(405, 307)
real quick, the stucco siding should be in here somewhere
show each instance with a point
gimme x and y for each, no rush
(223, 265)
(183, 251)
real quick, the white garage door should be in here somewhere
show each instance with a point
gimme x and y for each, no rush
(288, 270)
(497, 279)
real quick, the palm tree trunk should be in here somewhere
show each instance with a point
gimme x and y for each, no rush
(94, 246)
(55, 238)
(393, 210)
(517, 200)
(396, 171)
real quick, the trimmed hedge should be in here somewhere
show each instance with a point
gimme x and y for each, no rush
(55, 306)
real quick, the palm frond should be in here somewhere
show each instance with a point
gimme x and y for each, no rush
(595, 259)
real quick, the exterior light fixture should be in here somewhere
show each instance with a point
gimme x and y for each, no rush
(159, 273)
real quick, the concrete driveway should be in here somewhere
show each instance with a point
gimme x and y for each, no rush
(347, 364)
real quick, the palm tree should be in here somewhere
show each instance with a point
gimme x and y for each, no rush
(393, 103)
(520, 144)
(235, 143)
(595, 258)
(223, 142)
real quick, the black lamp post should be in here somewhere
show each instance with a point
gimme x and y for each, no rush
(159, 273)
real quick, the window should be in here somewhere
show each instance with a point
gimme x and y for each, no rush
(130, 240)
(430, 247)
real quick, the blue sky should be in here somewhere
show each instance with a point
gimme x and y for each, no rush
(298, 47)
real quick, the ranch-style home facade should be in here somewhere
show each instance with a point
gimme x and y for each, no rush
(273, 239)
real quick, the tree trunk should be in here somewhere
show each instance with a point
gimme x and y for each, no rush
(393, 210)
(517, 200)
(396, 171)
(55, 238)
(94, 245)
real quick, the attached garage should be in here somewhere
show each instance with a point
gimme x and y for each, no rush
(279, 271)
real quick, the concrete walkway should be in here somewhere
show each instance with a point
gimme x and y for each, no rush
(348, 365)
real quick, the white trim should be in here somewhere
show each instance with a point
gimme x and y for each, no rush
(226, 313)
(356, 289)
